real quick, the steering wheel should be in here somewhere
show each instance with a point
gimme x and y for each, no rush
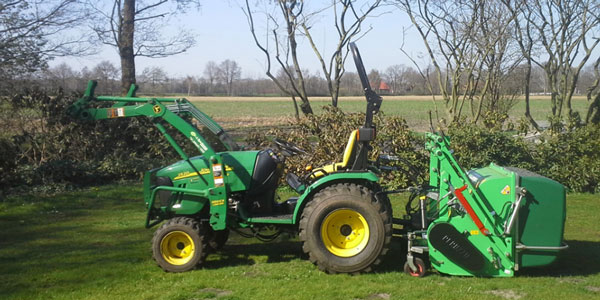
(288, 147)
(360, 68)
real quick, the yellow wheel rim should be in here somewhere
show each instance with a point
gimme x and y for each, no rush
(345, 232)
(177, 248)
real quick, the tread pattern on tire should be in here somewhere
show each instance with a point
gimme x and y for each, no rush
(383, 210)
(186, 222)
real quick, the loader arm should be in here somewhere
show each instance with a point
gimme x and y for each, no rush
(168, 110)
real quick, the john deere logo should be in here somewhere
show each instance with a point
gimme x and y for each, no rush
(157, 109)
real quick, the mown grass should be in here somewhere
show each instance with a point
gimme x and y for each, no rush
(92, 245)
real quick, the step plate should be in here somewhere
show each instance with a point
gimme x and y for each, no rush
(272, 219)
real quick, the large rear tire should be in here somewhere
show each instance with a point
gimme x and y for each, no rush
(178, 245)
(345, 229)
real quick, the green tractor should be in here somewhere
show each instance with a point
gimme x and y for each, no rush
(343, 219)
(490, 221)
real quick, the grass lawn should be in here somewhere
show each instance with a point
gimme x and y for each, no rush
(92, 245)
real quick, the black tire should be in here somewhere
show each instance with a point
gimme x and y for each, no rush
(385, 200)
(421, 268)
(217, 239)
(326, 208)
(178, 245)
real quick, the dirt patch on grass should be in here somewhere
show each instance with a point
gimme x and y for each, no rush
(212, 293)
(507, 294)
(595, 289)
(571, 280)
(378, 296)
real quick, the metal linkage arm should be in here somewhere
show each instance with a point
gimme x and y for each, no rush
(154, 108)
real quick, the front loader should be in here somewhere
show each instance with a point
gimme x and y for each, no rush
(340, 214)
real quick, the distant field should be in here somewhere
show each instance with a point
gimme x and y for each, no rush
(236, 112)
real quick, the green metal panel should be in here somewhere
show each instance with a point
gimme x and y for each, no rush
(487, 199)
(497, 186)
(541, 218)
(196, 173)
(239, 166)
(493, 246)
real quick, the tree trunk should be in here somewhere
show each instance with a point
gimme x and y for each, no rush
(126, 46)
(527, 93)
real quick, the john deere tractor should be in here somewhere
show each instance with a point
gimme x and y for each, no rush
(490, 221)
(343, 220)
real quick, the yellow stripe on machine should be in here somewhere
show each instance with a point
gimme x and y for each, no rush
(204, 171)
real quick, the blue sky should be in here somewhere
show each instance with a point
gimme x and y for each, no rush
(222, 33)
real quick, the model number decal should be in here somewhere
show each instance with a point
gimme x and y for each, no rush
(197, 142)
(217, 202)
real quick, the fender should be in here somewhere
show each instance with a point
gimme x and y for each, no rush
(327, 181)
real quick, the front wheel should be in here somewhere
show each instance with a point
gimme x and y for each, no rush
(345, 229)
(178, 245)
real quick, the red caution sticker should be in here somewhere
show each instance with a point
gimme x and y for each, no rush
(116, 112)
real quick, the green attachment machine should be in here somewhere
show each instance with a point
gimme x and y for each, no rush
(341, 217)
(490, 221)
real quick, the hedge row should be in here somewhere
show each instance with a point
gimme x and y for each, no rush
(43, 149)
(571, 157)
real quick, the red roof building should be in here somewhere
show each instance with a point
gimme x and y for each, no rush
(384, 87)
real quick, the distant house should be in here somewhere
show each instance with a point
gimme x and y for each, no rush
(384, 88)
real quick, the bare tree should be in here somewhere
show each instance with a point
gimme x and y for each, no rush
(348, 21)
(33, 32)
(525, 40)
(593, 95)
(229, 72)
(155, 77)
(465, 41)
(189, 82)
(394, 76)
(137, 28)
(211, 73)
(108, 74)
(290, 20)
(62, 75)
(374, 79)
(566, 34)
(446, 29)
(283, 50)
(495, 33)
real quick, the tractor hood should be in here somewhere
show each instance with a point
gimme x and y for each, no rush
(239, 166)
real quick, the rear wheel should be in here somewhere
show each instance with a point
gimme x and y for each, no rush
(178, 245)
(345, 229)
